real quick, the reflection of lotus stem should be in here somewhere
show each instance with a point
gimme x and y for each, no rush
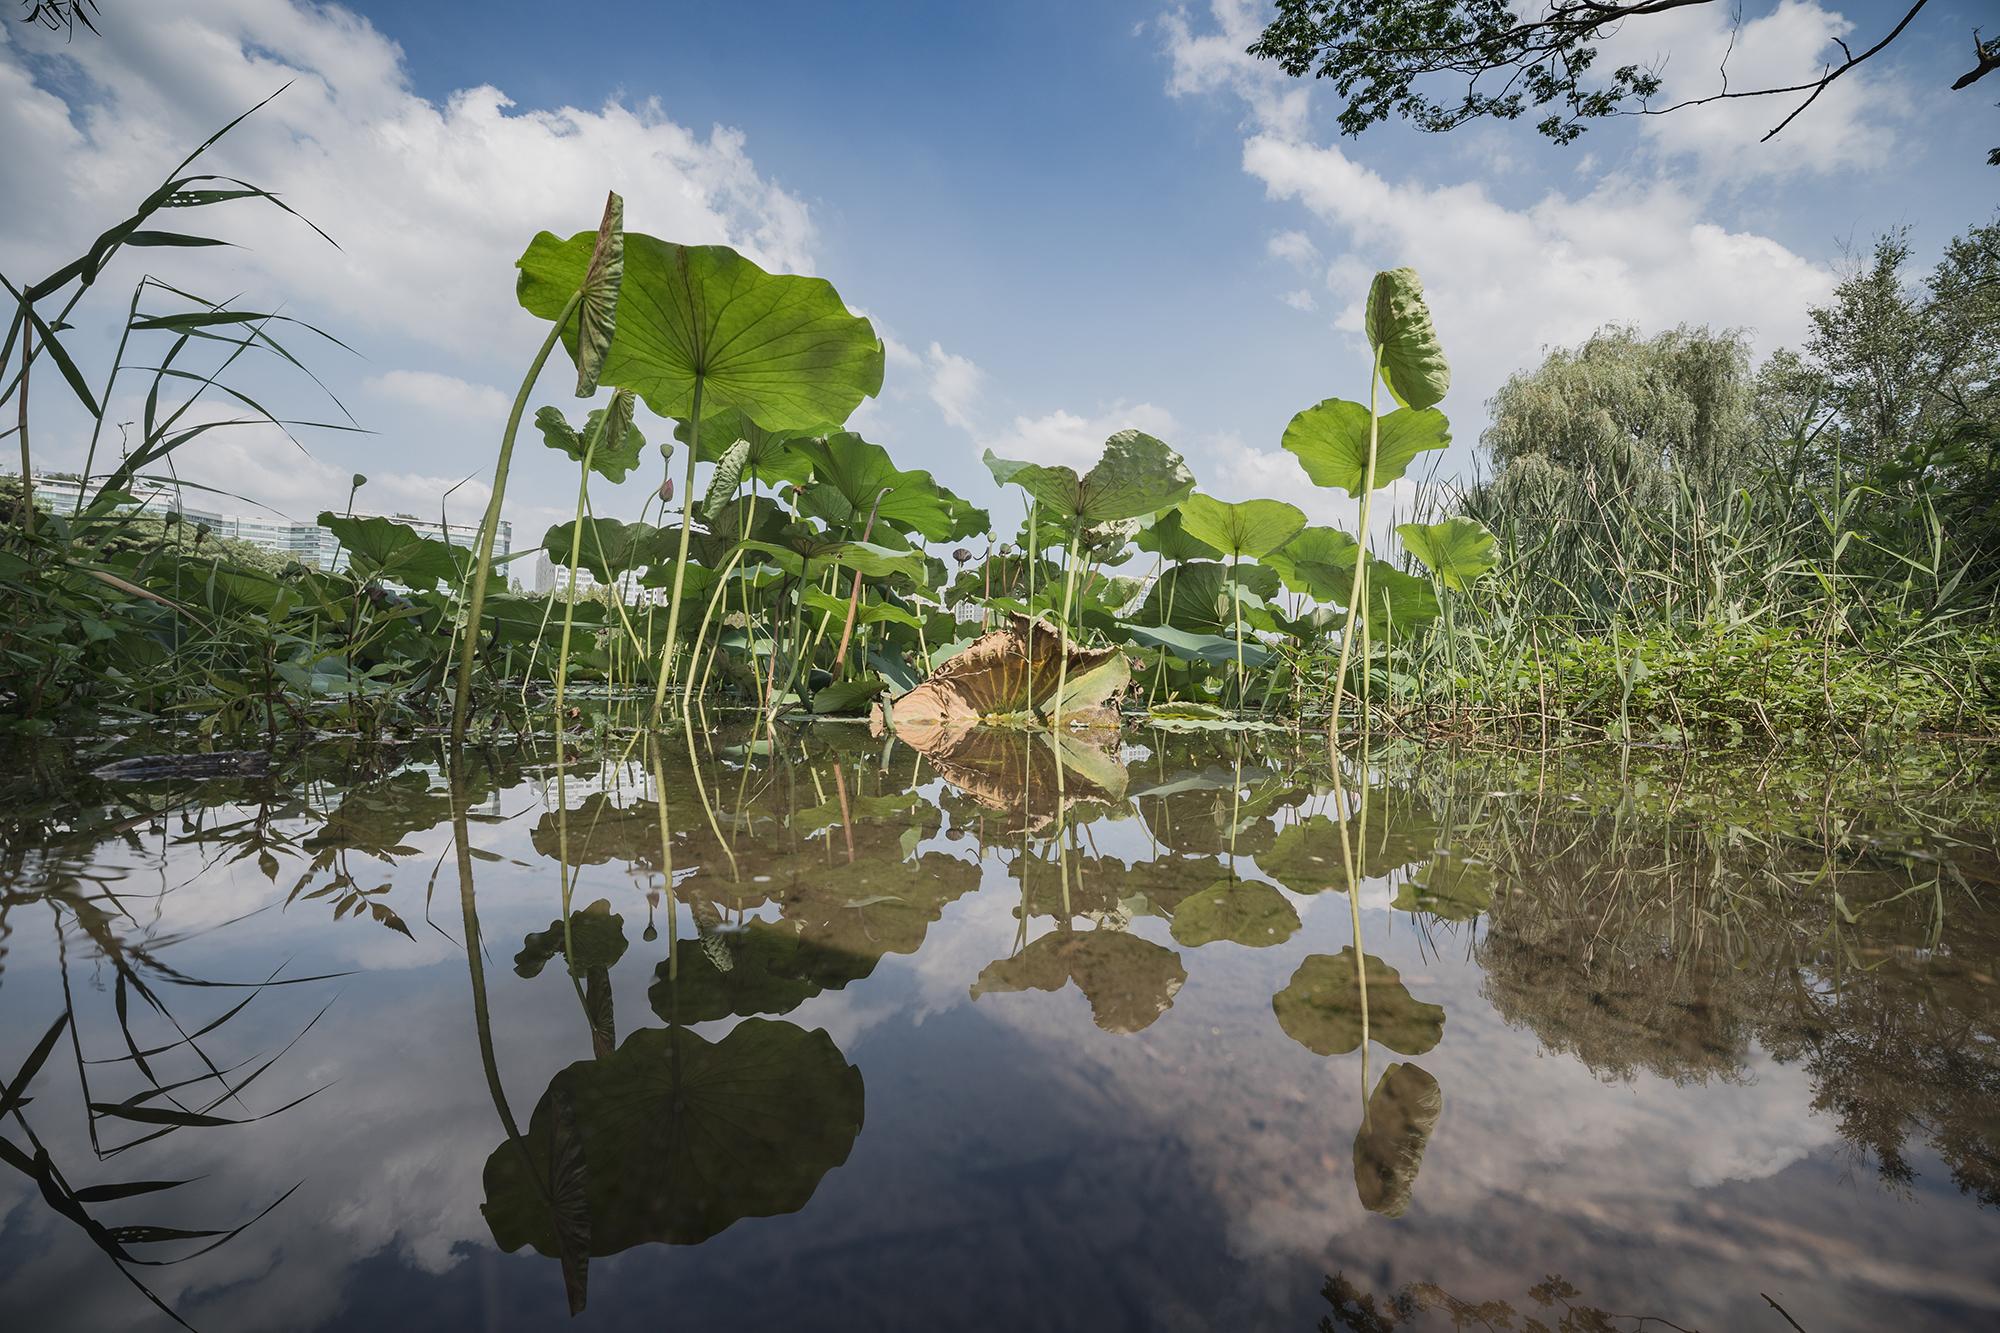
(1351, 869)
(846, 819)
(666, 862)
(481, 1017)
(489, 526)
(701, 792)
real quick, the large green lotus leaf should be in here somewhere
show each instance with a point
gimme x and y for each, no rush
(860, 471)
(1214, 649)
(1168, 537)
(1450, 887)
(608, 438)
(608, 547)
(682, 1137)
(1399, 323)
(865, 612)
(1389, 1148)
(1136, 476)
(753, 518)
(1457, 550)
(1243, 911)
(1129, 981)
(1331, 441)
(967, 519)
(1398, 603)
(769, 458)
(597, 935)
(780, 347)
(1306, 857)
(384, 547)
(1200, 596)
(1321, 1008)
(1251, 527)
(772, 970)
(1316, 562)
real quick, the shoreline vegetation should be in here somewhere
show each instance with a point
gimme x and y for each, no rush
(1673, 547)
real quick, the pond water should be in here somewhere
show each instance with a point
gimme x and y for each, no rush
(843, 1035)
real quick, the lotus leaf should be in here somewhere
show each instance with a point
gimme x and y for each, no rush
(1399, 324)
(780, 347)
(596, 934)
(1136, 476)
(1331, 441)
(1252, 527)
(1457, 550)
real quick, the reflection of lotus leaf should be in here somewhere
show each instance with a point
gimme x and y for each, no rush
(1244, 911)
(1013, 671)
(376, 819)
(1306, 858)
(1321, 1009)
(682, 1137)
(1402, 1113)
(597, 936)
(865, 909)
(1449, 887)
(772, 970)
(601, 832)
(1014, 772)
(1130, 981)
(1170, 880)
(1096, 884)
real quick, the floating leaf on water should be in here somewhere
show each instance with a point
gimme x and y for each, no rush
(682, 1137)
(1244, 911)
(1403, 1112)
(1321, 1008)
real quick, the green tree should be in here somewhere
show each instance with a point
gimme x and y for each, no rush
(1626, 410)
(1376, 52)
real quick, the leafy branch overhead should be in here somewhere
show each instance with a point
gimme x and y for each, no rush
(1378, 52)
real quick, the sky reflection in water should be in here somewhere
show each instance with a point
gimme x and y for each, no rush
(897, 1051)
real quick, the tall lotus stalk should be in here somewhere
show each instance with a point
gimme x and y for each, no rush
(595, 304)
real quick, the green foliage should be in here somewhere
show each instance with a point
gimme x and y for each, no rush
(1331, 441)
(1253, 527)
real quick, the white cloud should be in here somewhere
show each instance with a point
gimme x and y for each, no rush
(954, 385)
(430, 203)
(1504, 282)
(1302, 299)
(1295, 247)
(1073, 441)
(428, 391)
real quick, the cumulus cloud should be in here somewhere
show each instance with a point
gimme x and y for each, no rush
(428, 391)
(1504, 282)
(1295, 247)
(1302, 299)
(430, 204)
(1076, 441)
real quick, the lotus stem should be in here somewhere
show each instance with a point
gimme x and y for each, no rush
(489, 526)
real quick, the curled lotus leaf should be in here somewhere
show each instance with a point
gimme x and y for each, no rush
(682, 1137)
(1398, 321)
(1129, 981)
(1014, 672)
(1243, 911)
(1321, 1008)
(597, 314)
(1403, 1112)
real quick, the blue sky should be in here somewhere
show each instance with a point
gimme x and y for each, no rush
(1067, 217)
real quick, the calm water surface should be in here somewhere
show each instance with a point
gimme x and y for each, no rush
(842, 1035)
